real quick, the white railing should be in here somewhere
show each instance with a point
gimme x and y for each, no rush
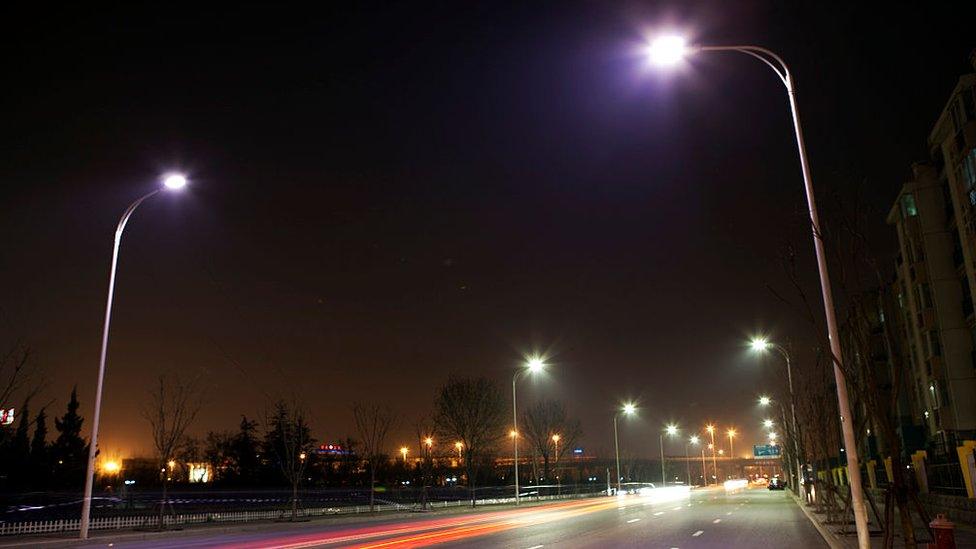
(152, 521)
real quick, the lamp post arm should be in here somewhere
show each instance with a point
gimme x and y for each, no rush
(768, 57)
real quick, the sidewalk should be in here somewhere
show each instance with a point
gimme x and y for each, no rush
(834, 534)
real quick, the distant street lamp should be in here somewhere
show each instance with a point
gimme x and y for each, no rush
(555, 465)
(669, 50)
(534, 365)
(765, 401)
(403, 451)
(761, 345)
(731, 433)
(711, 433)
(628, 409)
(694, 441)
(671, 430)
(768, 423)
(170, 182)
(458, 445)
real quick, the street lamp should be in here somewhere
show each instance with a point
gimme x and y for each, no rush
(711, 433)
(693, 441)
(555, 465)
(761, 345)
(532, 366)
(403, 451)
(628, 409)
(768, 423)
(458, 445)
(671, 430)
(170, 182)
(669, 50)
(731, 433)
(765, 401)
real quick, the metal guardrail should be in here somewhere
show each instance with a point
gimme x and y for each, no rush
(152, 521)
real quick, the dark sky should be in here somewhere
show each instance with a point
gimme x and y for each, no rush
(387, 195)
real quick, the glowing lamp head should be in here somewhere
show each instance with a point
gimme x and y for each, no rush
(693, 439)
(759, 344)
(629, 409)
(171, 464)
(555, 438)
(458, 445)
(721, 452)
(768, 423)
(671, 430)
(667, 50)
(513, 433)
(174, 181)
(710, 428)
(711, 446)
(535, 365)
(731, 433)
(772, 437)
(429, 441)
(765, 400)
(404, 451)
(111, 467)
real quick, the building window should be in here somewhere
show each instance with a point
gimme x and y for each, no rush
(967, 174)
(908, 208)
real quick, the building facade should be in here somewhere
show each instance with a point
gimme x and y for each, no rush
(935, 276)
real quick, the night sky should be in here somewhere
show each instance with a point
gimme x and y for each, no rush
(384, 196)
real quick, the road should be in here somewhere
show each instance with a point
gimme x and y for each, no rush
(707, 518)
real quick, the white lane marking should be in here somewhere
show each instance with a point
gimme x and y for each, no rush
(678, 508)
(689, 505)
(631, 521)
(535, 547)
(659, 513)
(729, 513)
(698, 533)
(716, 521)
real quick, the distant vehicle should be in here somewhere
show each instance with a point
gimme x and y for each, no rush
(776, 483)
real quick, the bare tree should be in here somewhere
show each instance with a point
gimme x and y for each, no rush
(544, 420)
(471, 411)
(290, 441)
(374, 423)
(172, 406)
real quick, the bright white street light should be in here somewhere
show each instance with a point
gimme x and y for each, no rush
(693, 439)
(535, 364)
(629, 408)
(672, 430)
(667, 50)
(759, 344)
(765, 400)
(768, 423)
(174, 181)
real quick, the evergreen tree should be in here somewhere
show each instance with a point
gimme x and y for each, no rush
(40, 464)
(69, 452)
(20, 451)
(245, 451)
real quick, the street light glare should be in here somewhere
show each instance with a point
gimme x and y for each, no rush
(672, 430)
(174, 181)
(768, 423)
(764, 400)
(759, 344)
(667, 50)
(535, 364)
(629, 408)
(710, 428)
(693, 439)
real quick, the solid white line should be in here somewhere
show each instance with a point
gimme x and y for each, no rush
(698, 533)
(716, 521)
(535, 547)
(659, 513)
(631, 521)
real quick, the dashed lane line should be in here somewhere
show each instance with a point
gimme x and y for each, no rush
(631, 521)
(698, 533)
(716, 521)
(535, 547)
(659, 513)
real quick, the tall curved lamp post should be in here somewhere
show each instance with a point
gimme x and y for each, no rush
(669, 50)
(169, 182)
(670, 430)
(534, 365)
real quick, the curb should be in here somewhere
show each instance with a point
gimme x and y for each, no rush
(826, 534)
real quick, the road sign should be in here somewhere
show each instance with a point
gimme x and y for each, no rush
(766, 450)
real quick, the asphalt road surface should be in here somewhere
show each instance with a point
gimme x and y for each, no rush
(706, 518)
